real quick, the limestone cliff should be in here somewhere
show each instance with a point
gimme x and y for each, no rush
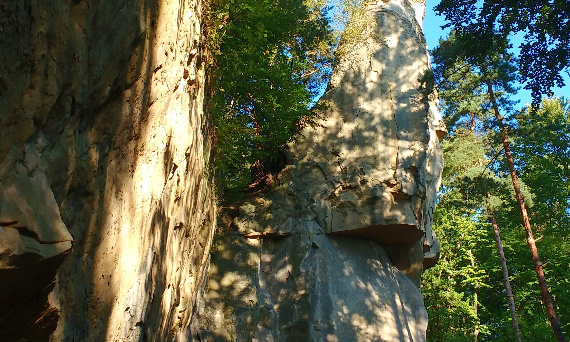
(334, 249)
(107, 210)
(106, 206)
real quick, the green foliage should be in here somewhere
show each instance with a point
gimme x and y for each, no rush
(358, 30)
(542, 148)
(462, 78)
(476, 184)
(545, 53)
(271, 58)
(449, 286)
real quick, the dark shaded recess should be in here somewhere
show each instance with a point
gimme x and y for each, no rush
(24, 231)
(24, 288)
(386, 233)
(430, 262)
(264, 173)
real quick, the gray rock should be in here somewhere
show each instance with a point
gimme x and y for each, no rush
(102, 106)
(334, 251)
(33, 244)
(309, 287)
(379, 138)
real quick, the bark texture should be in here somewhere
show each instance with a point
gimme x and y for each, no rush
(526, 223)
(508, 288)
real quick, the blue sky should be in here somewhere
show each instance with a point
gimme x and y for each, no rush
(433, 32)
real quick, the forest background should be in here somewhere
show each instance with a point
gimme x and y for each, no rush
(272, 62)
(466, 293)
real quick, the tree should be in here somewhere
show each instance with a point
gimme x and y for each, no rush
(544, 54)
(483, 79)
(450, 288)
(508, 287)
(466, 202)
(542, 150)
(271, 58)
(526, 222)
(537, 147)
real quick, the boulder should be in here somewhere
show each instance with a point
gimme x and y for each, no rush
(33, 243)
(308, 287)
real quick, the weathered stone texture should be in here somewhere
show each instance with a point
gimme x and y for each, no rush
(104, 156)
(345, 232)
(379, 141)
(309, 287)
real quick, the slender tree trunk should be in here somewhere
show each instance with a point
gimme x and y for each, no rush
(526, 223)
(506, 278)
(475, 301)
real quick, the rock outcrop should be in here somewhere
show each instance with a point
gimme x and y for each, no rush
(106, 201)
(334, 249)
(107, 210)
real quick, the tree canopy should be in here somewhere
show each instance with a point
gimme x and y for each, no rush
(476, 190)
(545, 24)
(272, 56)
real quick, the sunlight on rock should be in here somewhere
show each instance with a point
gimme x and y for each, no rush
(366, 176)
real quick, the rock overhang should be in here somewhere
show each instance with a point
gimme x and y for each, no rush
(372, 167)
(334, 248)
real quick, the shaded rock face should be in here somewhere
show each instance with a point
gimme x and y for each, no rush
(309, 287)
(334, 250)
(33, 243)
(106, 204)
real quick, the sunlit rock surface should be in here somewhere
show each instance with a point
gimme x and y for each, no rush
(106, 206)
(334, 249)
(309, 287)
(378, 150)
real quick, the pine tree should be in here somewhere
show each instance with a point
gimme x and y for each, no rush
(545, 52)
(472, 87)
(508, 287)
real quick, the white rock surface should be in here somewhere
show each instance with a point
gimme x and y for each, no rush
(378, 147)
(30, 221)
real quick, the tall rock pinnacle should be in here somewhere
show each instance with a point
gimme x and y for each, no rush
(332, 250)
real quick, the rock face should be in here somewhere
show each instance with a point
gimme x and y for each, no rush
(309, 287)
(106, 204)
(33, 243)
(334, 250)
(106, 201)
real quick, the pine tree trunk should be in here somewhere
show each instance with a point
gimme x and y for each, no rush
(526, 223)
(506, 278)
(475, 302)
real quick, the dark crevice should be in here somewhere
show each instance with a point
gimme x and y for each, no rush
(24, 231)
